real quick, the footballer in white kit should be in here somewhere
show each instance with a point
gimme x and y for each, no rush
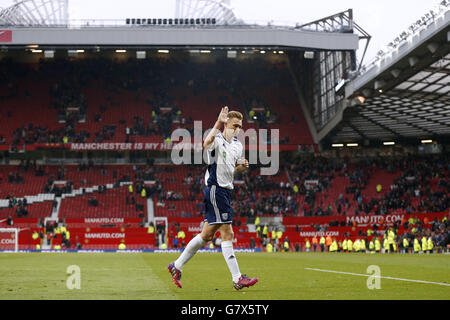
(222, 157)
(225, 158)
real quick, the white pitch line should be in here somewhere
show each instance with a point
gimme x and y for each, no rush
(381, 277)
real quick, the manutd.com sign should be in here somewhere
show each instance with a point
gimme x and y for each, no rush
(389, 219)
(104, 220)
(7, 241)
(104, 235)
(320, 234)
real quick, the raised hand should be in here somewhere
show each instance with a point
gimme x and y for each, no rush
(223, 116)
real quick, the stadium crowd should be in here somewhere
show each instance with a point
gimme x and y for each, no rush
(404, 236)
(69, 81)
(421, 185)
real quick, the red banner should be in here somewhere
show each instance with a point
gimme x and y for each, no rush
(5, 36)
(98, 235)
(105, 221)
(119, 146)
(362, 220)
(147, 146)
(161, 146)
(19, 223)
(112, 231)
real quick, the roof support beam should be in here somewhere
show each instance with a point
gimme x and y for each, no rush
(347, 122)
(380, 125)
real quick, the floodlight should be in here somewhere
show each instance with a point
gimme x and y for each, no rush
(379, 84)
(140, 54)
(49, 53)
(413, 61)
(432, 47)
(309, 55)
(395, 72)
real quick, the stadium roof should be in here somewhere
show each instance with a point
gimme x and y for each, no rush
(197, 23)
(406, 91)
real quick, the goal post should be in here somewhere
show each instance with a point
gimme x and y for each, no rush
(9, 239)
(161, 221)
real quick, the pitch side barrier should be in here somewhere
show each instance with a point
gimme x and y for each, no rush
(129, 251)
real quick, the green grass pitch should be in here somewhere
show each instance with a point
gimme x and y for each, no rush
(111, 276)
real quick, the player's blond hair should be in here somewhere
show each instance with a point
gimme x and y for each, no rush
(235, 114)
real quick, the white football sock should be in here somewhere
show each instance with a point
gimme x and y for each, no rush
(192, 247)
(230, 258)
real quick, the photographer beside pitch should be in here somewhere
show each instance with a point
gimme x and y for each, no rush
(224, 159)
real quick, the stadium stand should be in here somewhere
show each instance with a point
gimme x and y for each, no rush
(103, 198)
(344, 189)
(102, 89)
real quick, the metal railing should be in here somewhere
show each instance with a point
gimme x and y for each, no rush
(144, 23)
(414, 29)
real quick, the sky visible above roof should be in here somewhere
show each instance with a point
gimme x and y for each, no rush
(382, 19)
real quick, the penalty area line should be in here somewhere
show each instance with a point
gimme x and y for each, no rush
(381, 277)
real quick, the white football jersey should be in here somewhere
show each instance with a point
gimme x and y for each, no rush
(221, 159)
